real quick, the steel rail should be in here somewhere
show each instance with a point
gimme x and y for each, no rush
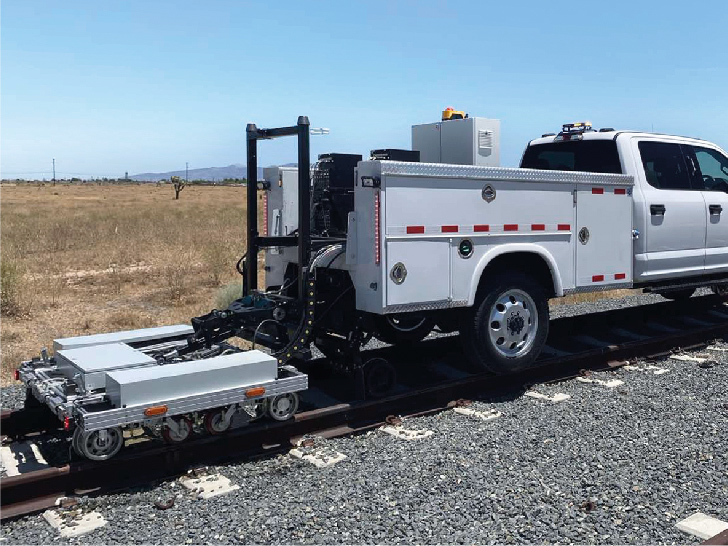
(650, 331)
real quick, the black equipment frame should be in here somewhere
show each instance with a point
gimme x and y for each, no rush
(303, 238)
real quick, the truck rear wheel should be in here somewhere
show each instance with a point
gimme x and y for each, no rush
(403, 327)
(507, 327)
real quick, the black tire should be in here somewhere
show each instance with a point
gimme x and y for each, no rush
(678, 295)
(515, 350)
(403, 328)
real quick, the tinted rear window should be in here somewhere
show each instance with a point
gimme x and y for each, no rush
(593, 156)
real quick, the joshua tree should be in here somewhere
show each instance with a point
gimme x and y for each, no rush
(178, 184)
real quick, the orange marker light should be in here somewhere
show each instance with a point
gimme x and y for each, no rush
(255, 392)
(155, 410)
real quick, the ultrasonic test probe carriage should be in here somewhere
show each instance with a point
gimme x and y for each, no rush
(174, 381)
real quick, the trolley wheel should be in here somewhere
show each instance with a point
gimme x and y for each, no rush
(76, 441)
(215, 422)
(283, 406)
(184, 425)
(380, 377)
(401, 328)
(678, 295)
(99, 445)
(507, 327)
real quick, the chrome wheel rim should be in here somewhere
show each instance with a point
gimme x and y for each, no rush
(513, 323)
(283, 406)
(100, 445)
(405, 323)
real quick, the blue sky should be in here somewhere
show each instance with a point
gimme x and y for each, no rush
(135, 85)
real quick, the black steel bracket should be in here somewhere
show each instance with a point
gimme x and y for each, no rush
(303, 238)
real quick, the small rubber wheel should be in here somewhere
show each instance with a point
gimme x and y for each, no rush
(184, 424)
(400, 328)
(283, 406)
(507, 327)
(215, 422)
(101, 445)
(76, 441)
(380, 378)
(678, 295)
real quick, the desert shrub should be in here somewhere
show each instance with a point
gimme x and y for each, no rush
(176, 275)
(217, 260)
(228, 294)
(128, 319)
(11, 303)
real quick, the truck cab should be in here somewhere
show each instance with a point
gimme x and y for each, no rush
(680, 193)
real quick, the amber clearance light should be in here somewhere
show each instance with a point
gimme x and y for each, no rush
(155, 410)
(255, 392)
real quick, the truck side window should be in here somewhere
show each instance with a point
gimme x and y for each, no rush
(713, 169)
(592, 156)
(664, 165)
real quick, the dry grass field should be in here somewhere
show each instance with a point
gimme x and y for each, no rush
(82, 259)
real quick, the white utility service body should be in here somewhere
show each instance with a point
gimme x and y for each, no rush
(418, 214)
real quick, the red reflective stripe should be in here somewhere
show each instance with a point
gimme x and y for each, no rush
(564, 227)
(415, 229)
(620, 276)
(510, 227)
(597, 191)
(597, 278)
(538, 227)
(449, 229)
(481, 227)
(620, 191)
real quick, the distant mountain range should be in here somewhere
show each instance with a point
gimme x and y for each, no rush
(211, 174)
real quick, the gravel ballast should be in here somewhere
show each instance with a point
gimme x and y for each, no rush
(608, 465)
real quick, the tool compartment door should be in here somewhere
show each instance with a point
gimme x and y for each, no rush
(427, 266)
(603, 235)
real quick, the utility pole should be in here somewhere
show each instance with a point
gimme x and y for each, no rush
(187, 172)
(54, 171)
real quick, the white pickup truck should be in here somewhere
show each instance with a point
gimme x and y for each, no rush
(481, 249)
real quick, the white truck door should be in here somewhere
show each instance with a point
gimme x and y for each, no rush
(672, 216)
(710, 167)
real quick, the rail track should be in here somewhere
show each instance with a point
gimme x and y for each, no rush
(587, 342)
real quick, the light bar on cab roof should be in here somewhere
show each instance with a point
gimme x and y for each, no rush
(573, 131)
